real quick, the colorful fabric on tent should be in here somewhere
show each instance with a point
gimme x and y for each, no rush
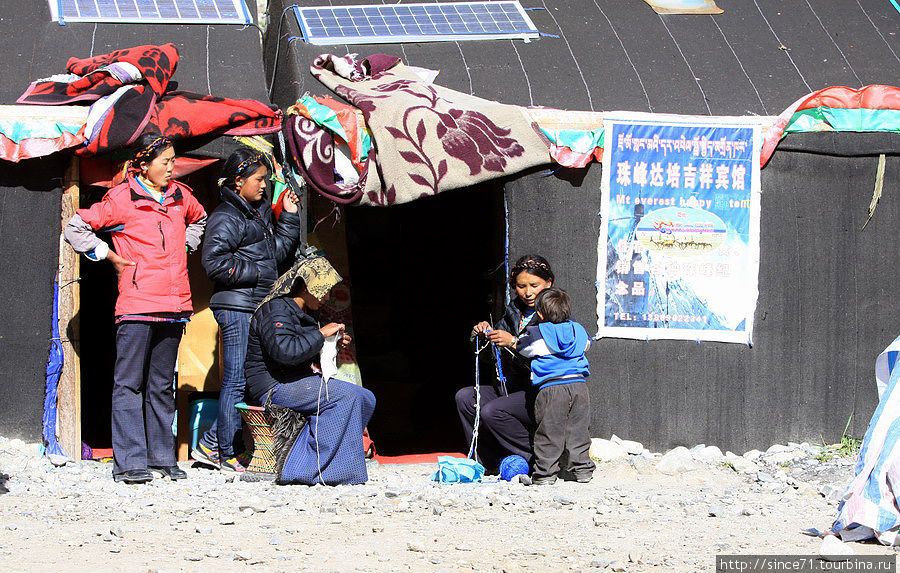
(342, 120)
(37, 147)
(869, 505)
(575, 138)
(29, 131)
(175, 114)
(870, 108)
(427, 138)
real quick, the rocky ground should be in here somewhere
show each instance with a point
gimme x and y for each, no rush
(641, 512)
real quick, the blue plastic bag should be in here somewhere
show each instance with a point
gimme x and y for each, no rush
(458, 470)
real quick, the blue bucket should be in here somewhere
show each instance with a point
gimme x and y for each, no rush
(202, 415)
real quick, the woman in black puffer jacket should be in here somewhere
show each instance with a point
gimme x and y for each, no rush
(243, 247)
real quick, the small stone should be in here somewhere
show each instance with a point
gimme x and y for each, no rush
(436, 509)
(212, 553)
(763, 477)
(116, 531)
(606, 450)
(598, 521)
(115, 549)
(243, 556)
(415, 547)
(564, 500)
(274, 540)
(226, 520)
(631, 447)
(617, 566)
(193, 557)
(833, 549)
(752, 455)
(255, 505)
(710, 455)
(203, 530)
(635, 557)
(600, 563)
(377, 529)
(677, 460)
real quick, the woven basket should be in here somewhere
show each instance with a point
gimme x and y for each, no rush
(263, 440)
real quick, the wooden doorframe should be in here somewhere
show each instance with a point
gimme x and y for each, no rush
(68, 405)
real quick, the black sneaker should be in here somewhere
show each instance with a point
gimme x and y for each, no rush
(134, 476)
(171, 472)
(584, 477)
(543, 480)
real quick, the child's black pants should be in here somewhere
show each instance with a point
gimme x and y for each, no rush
(563, 414)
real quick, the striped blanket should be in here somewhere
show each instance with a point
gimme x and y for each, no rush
(869, 505)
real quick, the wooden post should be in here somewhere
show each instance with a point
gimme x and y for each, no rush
(68, 404)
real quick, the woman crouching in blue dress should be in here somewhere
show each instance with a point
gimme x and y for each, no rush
(282, 366)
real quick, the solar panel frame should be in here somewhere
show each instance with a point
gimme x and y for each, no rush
(398, 23)
(151, 11)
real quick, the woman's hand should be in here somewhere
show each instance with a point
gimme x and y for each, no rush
(291, 201)
(345, 341)
(501, 338)
(331, 328)
(119, 263)
(481, 327)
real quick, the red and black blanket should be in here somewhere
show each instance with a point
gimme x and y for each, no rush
(150, 104)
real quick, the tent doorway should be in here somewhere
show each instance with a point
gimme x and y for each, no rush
(423, 274)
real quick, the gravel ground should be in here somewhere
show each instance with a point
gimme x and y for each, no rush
(641, 512)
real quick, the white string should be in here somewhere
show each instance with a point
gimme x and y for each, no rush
(688, 64)
(746, 75)
(473, 447)
(527, 80)
(318, 411)
(781, 45)
(883, 39)
(574, 59)
(633, 67)
(835, 43)
(93, 35)
(465, 65)
(208, 85)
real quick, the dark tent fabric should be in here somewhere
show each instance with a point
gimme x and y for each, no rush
(828, 296)
(224, 60)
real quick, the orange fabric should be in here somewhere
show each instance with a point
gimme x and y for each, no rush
(868, 97)
(416, 458)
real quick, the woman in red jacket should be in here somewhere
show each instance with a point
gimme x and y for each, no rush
(153, 220)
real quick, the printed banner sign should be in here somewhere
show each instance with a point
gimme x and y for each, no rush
(678, 252)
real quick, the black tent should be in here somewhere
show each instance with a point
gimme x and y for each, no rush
(223, 60)
(827, 303)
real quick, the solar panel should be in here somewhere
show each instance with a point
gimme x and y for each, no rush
(151, 11)
(394, 23)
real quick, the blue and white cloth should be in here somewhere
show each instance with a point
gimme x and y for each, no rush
(869, 505)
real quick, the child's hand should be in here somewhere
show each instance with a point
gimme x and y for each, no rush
(481, 327)
(344, 342)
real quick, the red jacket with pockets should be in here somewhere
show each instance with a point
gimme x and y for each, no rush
(153, 236)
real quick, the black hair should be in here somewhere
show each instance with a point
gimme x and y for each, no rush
(553, 304)
(533, 264)
(297, 288)
(242, 163)
(148, 147)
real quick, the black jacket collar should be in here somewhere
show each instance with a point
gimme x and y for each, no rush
(229, 196)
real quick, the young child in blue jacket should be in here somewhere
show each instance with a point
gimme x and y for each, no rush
(562, 407)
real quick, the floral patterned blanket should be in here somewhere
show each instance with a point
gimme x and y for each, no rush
(426, 138)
